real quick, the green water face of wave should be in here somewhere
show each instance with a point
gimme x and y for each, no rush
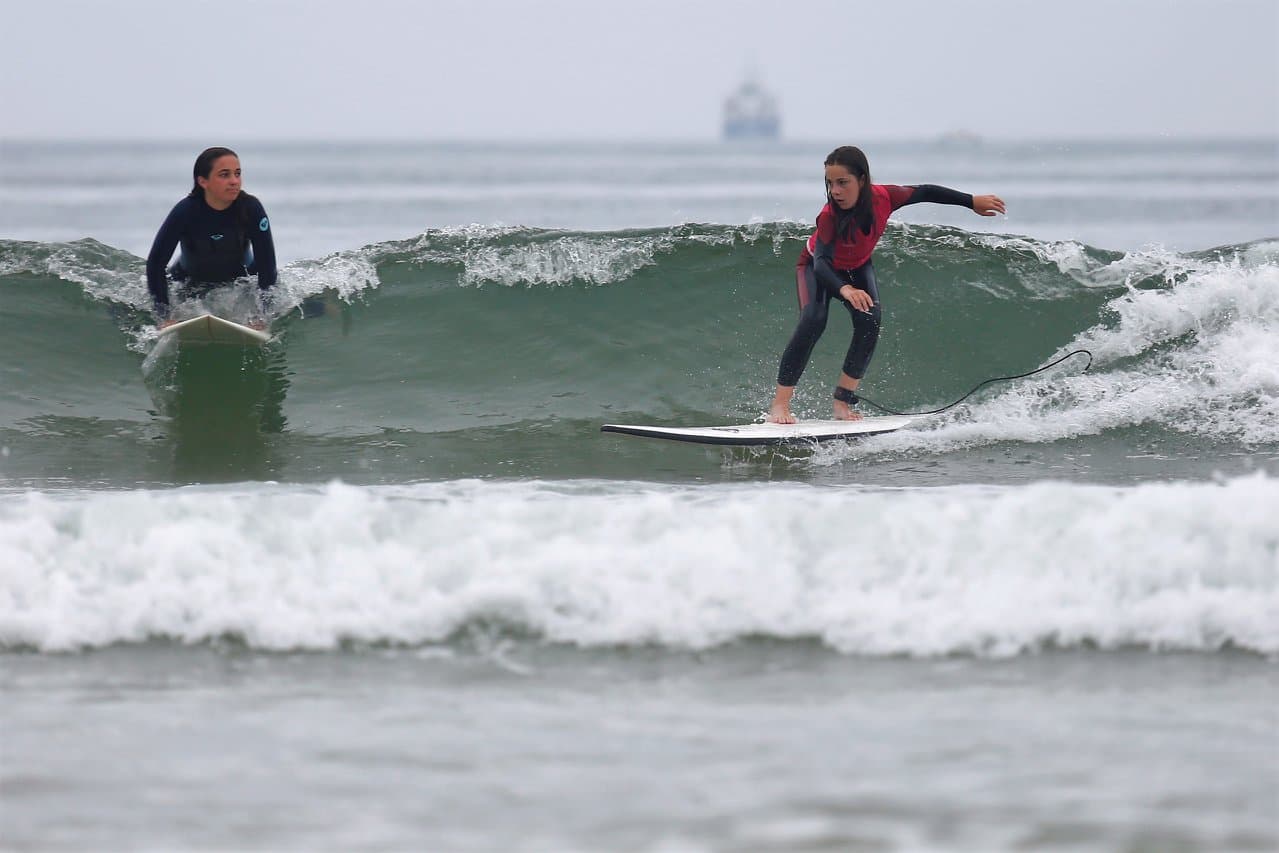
(519, 342)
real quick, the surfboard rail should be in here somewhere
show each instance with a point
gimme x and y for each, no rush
(765, 434)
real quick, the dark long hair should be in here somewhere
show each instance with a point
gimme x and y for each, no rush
(204, 166)
(863, 212)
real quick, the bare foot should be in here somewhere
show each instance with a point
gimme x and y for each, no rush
(779, 413)
(843, 412)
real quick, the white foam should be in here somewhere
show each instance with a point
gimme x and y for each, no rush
(563, 260)
(348, 274)
(1068, 256)
(1198, 355)
(539, 259)
(576, 258)
(981, 570)
(93, 265)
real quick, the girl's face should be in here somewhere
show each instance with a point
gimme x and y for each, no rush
(223, 184)
(843, 187)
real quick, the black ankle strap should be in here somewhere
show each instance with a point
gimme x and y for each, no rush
(844, 395)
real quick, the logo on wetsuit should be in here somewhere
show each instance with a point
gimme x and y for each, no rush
(215, 236)
(263, 225)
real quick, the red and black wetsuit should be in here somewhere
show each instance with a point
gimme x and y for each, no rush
(839, 253)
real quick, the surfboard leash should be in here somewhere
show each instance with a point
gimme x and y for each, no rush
(982, 384)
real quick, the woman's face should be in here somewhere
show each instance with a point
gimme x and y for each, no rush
(223, 184)
(843, 187)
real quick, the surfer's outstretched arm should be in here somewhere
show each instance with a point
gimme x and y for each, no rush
(982, 205)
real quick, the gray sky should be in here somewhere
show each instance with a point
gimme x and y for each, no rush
(644, 69)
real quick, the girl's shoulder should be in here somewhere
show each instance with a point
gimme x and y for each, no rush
(186, 206)
(893, 195)
(184, 213)
(250, 203)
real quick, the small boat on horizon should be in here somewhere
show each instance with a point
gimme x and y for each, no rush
(750, 112)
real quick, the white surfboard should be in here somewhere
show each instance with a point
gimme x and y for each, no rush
(747, 435)
(207, 329)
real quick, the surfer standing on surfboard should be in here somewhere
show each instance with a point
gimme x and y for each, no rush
(224, 233)
(836, 264)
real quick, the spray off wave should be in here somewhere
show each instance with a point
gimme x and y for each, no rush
(1199, 357)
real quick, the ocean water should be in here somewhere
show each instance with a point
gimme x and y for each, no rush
(385, 585)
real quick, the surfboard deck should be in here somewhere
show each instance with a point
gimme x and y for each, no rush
(208, 329)
(753, 435)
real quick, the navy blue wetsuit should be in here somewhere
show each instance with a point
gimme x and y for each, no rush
(217, 246)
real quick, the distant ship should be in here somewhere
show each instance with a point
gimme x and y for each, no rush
(751, 113)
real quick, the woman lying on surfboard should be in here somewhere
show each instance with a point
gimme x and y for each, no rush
(224, 233)
(836, 264)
